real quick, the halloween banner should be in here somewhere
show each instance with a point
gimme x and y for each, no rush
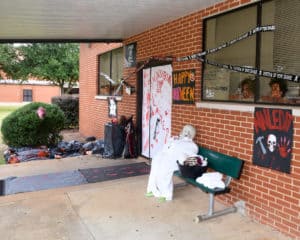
(273, 138)
(201, 57)
(183, 87)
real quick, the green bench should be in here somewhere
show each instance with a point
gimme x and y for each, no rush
(230, 167)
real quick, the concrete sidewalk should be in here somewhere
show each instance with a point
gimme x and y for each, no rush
(113, 210)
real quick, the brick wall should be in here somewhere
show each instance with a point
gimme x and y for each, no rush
(40, 93)
(271, 197)
(93, 113)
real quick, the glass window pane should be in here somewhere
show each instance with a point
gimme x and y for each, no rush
(111, 64)
(27, 95)
(224, 84)
(280, 50)
(117, 67)
(104, 68)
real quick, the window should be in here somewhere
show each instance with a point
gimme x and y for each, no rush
(270, 51)
(27, 95)
(110, 65)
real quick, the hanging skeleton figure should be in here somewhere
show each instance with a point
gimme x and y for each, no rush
(123, 82)
(130, 144)
(129, 88)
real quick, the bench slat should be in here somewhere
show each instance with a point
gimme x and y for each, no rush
(222, 163)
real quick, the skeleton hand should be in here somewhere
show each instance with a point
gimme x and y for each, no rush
(283, 146)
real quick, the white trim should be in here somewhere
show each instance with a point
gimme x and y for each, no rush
(102, 97)
(296, 112)
(242, 107)
(226, 106)
(26, 82)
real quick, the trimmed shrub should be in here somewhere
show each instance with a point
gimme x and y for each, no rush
(24, 127)
(69, 104)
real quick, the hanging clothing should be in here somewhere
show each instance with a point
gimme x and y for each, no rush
(164, 163)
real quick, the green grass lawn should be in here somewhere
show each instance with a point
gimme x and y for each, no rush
(4, 111)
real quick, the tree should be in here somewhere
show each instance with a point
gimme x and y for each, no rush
(55, 62)
(9, 63)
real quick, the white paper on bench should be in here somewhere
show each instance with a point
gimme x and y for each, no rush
(211, 180)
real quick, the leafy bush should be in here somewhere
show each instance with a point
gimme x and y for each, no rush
(69, 104)
(23, 127)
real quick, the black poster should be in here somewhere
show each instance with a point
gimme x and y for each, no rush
(183, 87)
(273, 138)
(130, 55)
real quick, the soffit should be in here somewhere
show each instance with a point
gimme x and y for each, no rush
(88, 19)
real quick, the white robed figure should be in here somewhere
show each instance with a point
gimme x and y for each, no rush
(164, 163)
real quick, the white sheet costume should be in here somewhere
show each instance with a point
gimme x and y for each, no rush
(160, 182)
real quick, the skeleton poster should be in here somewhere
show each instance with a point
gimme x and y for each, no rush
(273, 138)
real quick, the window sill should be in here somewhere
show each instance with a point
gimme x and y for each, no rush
(102, 97)
(242, 107)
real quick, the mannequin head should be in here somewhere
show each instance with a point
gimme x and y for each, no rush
(188, 131)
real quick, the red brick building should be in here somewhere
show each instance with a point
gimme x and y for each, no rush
(12, 91)
(271, 197)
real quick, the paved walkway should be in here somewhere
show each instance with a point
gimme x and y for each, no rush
(113, 210)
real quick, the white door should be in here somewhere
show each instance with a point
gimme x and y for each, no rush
(156, 109)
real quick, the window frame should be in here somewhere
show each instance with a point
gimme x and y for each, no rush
(258, 54)
(27, 95)
(110, 85)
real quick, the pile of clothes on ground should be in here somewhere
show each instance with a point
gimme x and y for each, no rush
(62, 150)
(126, 148)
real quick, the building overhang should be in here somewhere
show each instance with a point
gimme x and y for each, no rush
(88, 20)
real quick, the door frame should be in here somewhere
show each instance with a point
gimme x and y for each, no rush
(139, 98)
